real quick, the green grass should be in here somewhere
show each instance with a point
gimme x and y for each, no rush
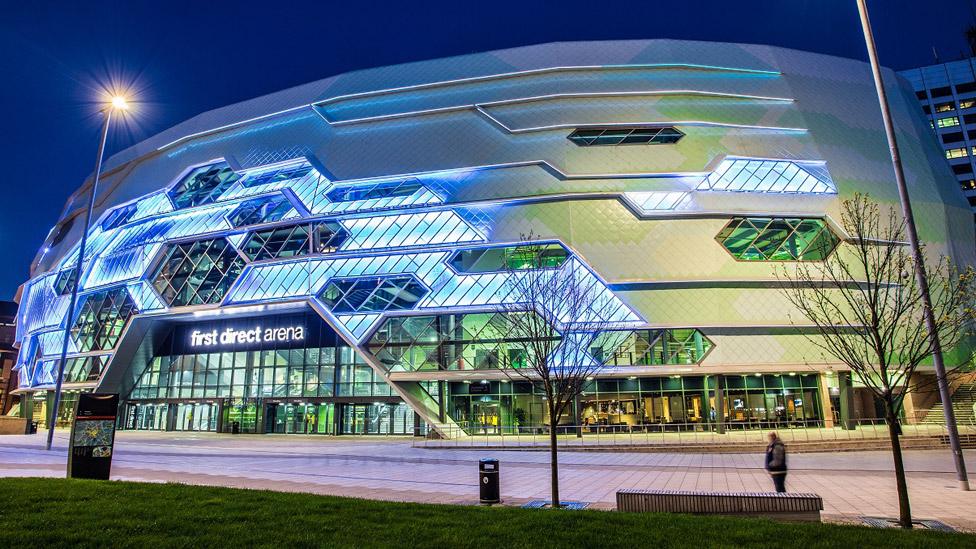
(76, 513)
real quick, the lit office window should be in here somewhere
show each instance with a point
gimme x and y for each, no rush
(966, 103)
(665, 135)
(956, 153)
(203, 185)
(948, 122)
(943, 107)
(777, 239)
(968, 184)
(374, 294)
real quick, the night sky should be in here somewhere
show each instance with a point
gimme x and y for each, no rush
(188, 57)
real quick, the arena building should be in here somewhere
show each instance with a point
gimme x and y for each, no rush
(331, 258)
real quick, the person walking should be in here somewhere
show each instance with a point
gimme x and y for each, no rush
(776, 461)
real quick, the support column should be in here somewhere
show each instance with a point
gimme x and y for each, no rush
(846, 400)
(826, 408)
(720, 404)
(706, 403)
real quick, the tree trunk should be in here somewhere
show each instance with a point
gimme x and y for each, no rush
(553, 457)
(904, 506)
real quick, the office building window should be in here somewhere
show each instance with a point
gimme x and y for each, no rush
(962, 169)
(952, 137)
(956, 153)
(921, 95)
(947, 122)
(966, 103)
(968, 184)
(968, 87)
(941, 92)
(926, 109)
(944, 107)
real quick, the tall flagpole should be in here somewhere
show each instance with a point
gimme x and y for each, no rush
(923, 283)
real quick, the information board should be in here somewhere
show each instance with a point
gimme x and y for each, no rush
(93, 436)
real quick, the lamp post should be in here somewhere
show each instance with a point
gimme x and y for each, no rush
(118, 104)
(923, 284)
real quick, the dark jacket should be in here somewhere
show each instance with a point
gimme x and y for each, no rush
(776, 458)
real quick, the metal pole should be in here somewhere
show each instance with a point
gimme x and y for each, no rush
(77, 281)
(920, 275)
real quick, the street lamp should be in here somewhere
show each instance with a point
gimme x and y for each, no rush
(923, 284)
(118, 104)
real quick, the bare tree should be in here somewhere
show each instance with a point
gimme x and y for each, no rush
(556, 309)
(866, 310)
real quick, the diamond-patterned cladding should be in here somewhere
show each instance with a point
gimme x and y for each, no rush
(102, 318)
(777, 239)
(197, 273)
(203, 185)
(265, 209)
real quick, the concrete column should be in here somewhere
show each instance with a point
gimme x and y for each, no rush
(720, 404)
(846, 400)
(827, 410)
(706, 402)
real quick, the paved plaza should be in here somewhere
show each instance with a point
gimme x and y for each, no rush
(852, 484)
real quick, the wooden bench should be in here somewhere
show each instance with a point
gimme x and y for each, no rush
(778, 506)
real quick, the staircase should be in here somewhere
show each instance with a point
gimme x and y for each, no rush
(962, 405)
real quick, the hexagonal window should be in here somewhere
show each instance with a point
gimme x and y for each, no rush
(373, 294)
(197, 273)
(294, 240)
(504, 258)
(203, 185)
(65, 280)
(119, 216)
(101, 320)
(778, 239)
(265, 209)
(651, 347)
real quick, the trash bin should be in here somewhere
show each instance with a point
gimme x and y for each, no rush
(33, 428)
(488, 481)
(235, 427)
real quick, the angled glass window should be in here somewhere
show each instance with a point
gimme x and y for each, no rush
(474, 341)
(265, 209)
(102, 317)
(82, 369)
(197, 273)
(651, 347)
(203, 185)
(293, 240)
(119, 216)
(777, 239)
(660, 135)
(275, 176)
(374, 294)
(64, 283)
(61, 230)
(769, 176)
(373, 191)
(504, 258)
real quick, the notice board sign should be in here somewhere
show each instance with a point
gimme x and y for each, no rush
(93, 436)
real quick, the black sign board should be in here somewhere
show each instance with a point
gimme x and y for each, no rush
(479, 389)
(93, 436)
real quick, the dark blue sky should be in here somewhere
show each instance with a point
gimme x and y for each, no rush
(188, 57)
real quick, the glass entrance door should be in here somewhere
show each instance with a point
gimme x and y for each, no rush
(196, 417)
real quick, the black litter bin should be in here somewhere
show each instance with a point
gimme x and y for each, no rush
(488, 481)
(32, 428)
(235, 427)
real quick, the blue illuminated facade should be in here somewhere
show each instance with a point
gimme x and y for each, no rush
(383, 211)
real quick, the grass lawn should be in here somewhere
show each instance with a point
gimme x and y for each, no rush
(79, 513)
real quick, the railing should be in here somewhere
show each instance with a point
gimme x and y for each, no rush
(678, 434)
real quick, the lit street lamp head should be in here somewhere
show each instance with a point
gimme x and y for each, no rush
(119, 102)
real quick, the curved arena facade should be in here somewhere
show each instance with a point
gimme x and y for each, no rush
(332, 258)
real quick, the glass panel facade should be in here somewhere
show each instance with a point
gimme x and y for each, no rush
(195, 273)
(374, 294)
(276, 176)
(634, 405)
(447, 342)
(777, 239)
(293, 240)
(486, 260)
(626, 136)
(203, 185)
(65, 281)
(102, 318)
(651, 347)
(119, 216)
